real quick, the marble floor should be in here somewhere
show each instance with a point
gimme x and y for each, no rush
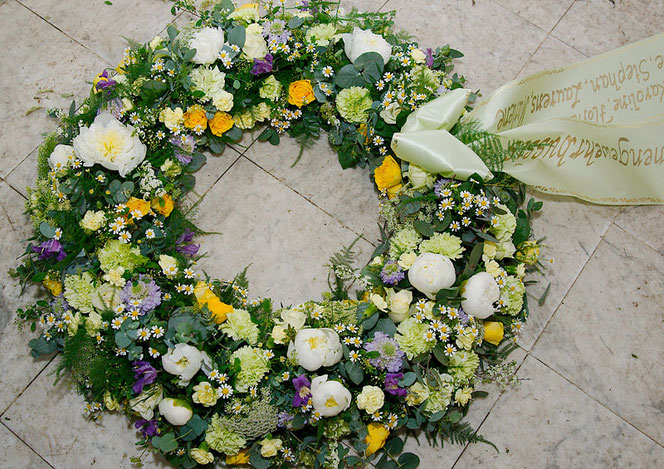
(591, 359)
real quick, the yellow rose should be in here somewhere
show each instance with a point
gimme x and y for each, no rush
(388, 176)
(205, 394)
(370, 399)
(163, 204)
(270, 447)
(493, 332)
(172, 118)
(201, 456)
(220, 123)
(138, 206)
(240, 458)
(53, 286)
(376, 437)
(300, 93)
(394, 190)
(218, 309)
(195, 119)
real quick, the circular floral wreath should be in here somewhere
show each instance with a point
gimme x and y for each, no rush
(210, 377)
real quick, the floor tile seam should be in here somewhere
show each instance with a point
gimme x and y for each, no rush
(102, 58)
(531, 56)
(15, 167)
(502, 392)
(626, 230)
(342, 224)
(18, 396)
(524, 18)
(26, 444)
(223, 173)
(632, 235)
(606, 406)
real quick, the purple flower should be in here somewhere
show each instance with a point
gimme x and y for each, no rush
(50, 248)
(114, 106)
(276, 31)
(144, 374)
(183, 244)
(391, 355)
(146, 427)
(302, 391)
(263, 65)
(184, 148)
(463, 316)
(104, 82)
(392, 274)
(392, 384)
(439, 186)
(145, 290)
(284, 419)
(429, 59)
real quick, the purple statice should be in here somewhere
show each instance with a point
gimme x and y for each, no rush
(392, 274)
(284, 419)
(184, 148)
(276, 31)
(429, 57)
(145, 290)
(144, 374)
(439, 186)
(302, 391)
(463, 316)
(263, 65)
(392, 384)
(49, 249)
(304, 6)
(114, 106)
(104, 82)
(146, 427)
(184, 244)
(391, 355)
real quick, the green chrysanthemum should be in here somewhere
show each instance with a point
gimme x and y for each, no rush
(504, 225)
(354, 103)
(238, 326)
(221, 438)
(445, 244)
(511, 295)
(463, 365)
(115, 254)
(439, 398)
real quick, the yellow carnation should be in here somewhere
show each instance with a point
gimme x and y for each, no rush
(220, 123)
(195, 118)
(375, 438)
(300, 93)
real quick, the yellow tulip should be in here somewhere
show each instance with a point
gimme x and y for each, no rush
(53, 286)
(376, 437)
(493, 332)
(240, 458)
(388, 176)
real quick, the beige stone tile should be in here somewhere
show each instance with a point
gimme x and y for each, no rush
(571, 230)
(646, 223)
(101, 27)
(596, 26)
(445, 456)
(264, 223)
(607, 335)
(495, 41)
(50, 419)
(548, 422)
(551, 54)
(542, 14)
(348, 195)
(17, 454)
(23, 175)
(19, 368)
(37, 70)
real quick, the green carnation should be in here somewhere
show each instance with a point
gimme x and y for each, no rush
(354, 103)
(271, 89)
(511, 295)
(424, 77)
(239, 326)
(463, 365)
(405, 240)
(336, 428)
(504, 225)
(221, 438)
(411, 338)
(115, 254)
(439, 398)
(253, 366)
(443, 243)
(321, 34)
(78, 292)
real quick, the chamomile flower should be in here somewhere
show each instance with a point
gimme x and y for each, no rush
(450, 350)
(225, 391)
(285, 376)
(143, 333)
(149, 233)
(430, 335)
(135, 313)
(157, 332)
(328, 71)
(124, 236)
(117, 322)
(154, 353)
(354, 356)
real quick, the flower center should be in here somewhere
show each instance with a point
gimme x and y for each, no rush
(183, 362)
(314, 342)
(110, 145)
(304, 392)
(331, 402)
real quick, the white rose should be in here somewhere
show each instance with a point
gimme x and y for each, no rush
(156, 42)
(480, 292)
(418, 56)
(183, 361)
(371, 399)
(278, 334)
(390, 113)
(109, 143)
(60, 157)
(106, 297)
(406, 260)
(223, 101)
(505, 249)
(255, 46)
(419, 177)
(208, 43)
(378, 300)
(146, 401)
(270, 447)
(314, 348)
(399, 304)
(176, 411)
(431, 272)
(293, 318)
(168, 264)
(361, 41)
(93, 220)
(329, 398)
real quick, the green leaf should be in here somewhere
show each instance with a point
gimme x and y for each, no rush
(348, 76)
(423, 228)
(486, 236)
(122, 340)
(387, 326)
(355, 373)
(198, 159)
(439, 354)
(165, 443)
(369, 59)
(454, 416)
(408, 379)
(473, 259)
(41, 346)
(409, 461)
(46, 229)
(479, 394)
(237, 35)
(172, 32)
(370, 322)
(188, 55)
(295, 22)
(394, 445)
(258, 461)
(193, 428)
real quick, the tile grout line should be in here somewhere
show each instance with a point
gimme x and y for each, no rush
(18, 396)
(26, 444)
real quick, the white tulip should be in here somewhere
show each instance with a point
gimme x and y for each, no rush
(176, 411)
(480, 292)
(208, 43)
(399, 304)
(314, 348)
(60, 157)
(360, 41)
(183, 361)
(293, 318)
(329, 398)
(431, 272)
(146, 401)
(390, 113)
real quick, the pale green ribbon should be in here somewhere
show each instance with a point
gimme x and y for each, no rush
(601, 121)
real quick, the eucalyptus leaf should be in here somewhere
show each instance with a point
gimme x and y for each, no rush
(237, 35)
